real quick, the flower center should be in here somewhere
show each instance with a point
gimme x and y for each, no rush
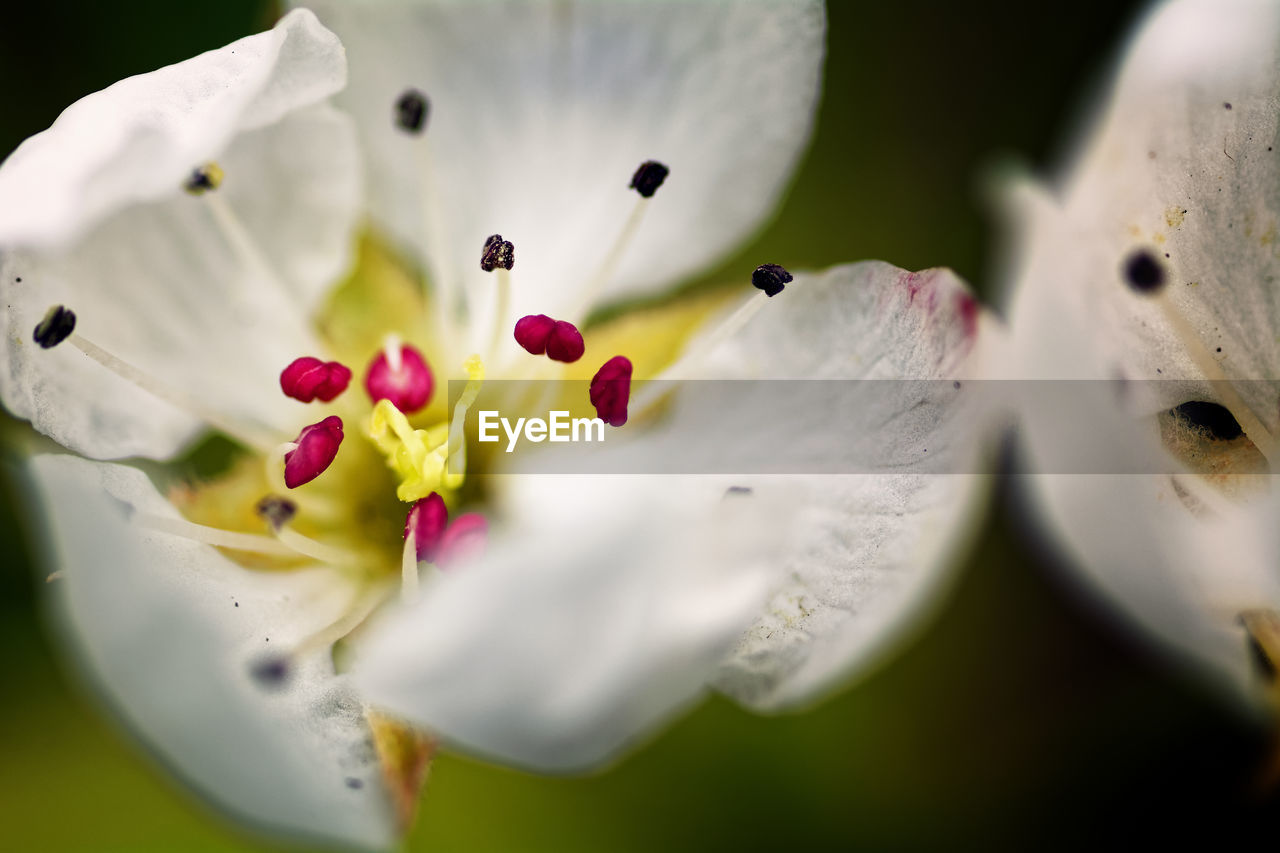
(314, 495)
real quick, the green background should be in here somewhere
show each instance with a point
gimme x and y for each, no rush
(1023, 715)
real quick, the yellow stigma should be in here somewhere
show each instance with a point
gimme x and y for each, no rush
(416, 455)
(419, 456)
(457, 439)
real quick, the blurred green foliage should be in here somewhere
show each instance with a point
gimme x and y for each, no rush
(1021, 715)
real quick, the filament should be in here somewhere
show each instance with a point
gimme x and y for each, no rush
(247, 434)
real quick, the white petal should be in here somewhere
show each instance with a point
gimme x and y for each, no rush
(166, 288)
(603, 613)
(871, 550)
(540, 115)
(138, 140)
(1181, 165)
(170, 630)
(885, 476)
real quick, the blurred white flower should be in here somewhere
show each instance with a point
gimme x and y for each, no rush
(1152, 264)
(288, 656)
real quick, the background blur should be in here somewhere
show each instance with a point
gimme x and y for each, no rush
(1022, 715)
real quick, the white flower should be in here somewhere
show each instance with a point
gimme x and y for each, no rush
(1152, 264)
(212, 621)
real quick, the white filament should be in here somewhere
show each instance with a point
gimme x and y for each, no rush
(501, 314)
(596, 283)
(409, 567)
(250, 435)
(700, 348)
(251, 542)
(393, 349)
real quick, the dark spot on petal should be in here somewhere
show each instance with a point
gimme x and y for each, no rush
(1211, 418)
(1226, 105)
(354, 784)
(270, 671)
(955, 385)
(1219, 349)
(1143, 272)
(738, 491)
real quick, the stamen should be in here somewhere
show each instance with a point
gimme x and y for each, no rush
(501, 310)
(278, 511)
(500, 255)
(771, 278)
(532, 331)
(241, 242)
(412, 110)
(308, 379)
(497, 253)
(59, 325)
(274, 462)
(649, 177)
(359, 611)
(565, 343)
(251, 542)
(317, 446)
(423, 528)
(309, 547)
(204, 179)
(439, 265)
(408, 572)
(465, 540)
(400, 374)
(1145, 275)
(425, 524)
(393, 348)
(558, 339)
(610, 390)
(645, 181)
(707, 344)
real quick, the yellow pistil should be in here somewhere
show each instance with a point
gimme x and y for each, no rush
(419, 456)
